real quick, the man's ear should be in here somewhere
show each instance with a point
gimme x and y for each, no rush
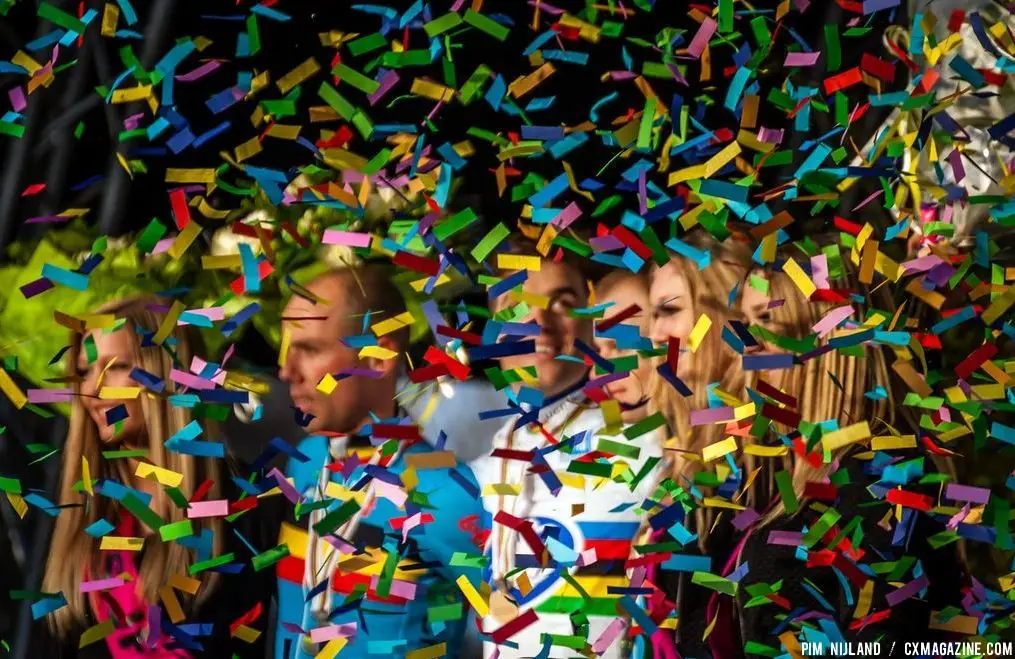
(389, 365)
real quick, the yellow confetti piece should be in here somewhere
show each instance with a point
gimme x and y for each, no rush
(863, 602)
(184, 240)
(766, 451)
(799, 277)
(166, 477)
(376, 352)
(119, 393)
(172, 604)
(168, 323)
(789, 641)
(284, 131)
(86, 476)
(131, 94)
(298, 75)
(845, 436)
(184, 583)
(525, 84)
(283, 350)
(531, 299)
(248, 149)
(432, 90)
(893, 442)
(719, 449)
(327, 384)
(332, 648)
(431, 652)
(221, 262)
(519, 262)
(246, 634)
(718, 502)
(110, 16)
(23, 60)
(501, 489)
(12, 390)
(392, 324)
(933, 298)
(475, 599)
(120, 543)
(96, 633)
(997, 307)
(958, 624)
(698, 333)
(176, 175)
(18, 503)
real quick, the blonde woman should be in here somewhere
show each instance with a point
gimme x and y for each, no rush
(815, 497)
(694, 289)
(141, 592)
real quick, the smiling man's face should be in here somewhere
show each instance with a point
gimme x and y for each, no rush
(564, 288)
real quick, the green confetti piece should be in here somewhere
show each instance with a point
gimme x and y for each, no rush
(459, 221)
(270, 557)
(253, 34)
(618, 448)
(336, 518)
(784, 483)
(143, 513)
(441, 25)
(95, 633)
(461, 559)
(490, 241)
(758, 283)
(487, 25)
(833, 57)
(821, 527)
(356, 79)
(91, 352)
(176, 530)
(376, 163)
(406, 59)
(217, 561)
(646, 425)
(714, 582)
(444, 612)
(761, 34)
(14, 130)
(725, 16)
(572, 245)
(362, 123)
(645, 128)
(565, 641)
(177, 497)
(366, 44)
(56, 16)
(336, 101)
(10, 485)
(597, 469)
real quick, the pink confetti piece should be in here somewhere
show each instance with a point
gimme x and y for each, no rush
(288, 491)
(389, 80)
(565, 217)
(399, 587)
(188, 380)
(101, 584)
(199, 72)
(50, 395)
(701, 37)
(609, 635)
(213, 508)
(708, 415)
(587, 557)
(17, 97)
(801, 59)
(770, 135)
(955, 519)
(391, 492)
(832, 319)
(921, 264)
(212, 313)
(162, 246)
(819, 271)
(409, 524)
(350, 238)
(787, 538)
(745, 518)
(331, 632)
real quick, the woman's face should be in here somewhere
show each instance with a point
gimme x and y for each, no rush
(672, 312)
(115, 350)
(757, 312)
(632, 389)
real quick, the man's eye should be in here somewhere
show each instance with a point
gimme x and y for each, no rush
(81, 372)
(561, 305)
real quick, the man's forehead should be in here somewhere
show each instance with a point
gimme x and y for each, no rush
(554, 276)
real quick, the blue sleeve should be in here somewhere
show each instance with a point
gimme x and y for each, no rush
(456, 509)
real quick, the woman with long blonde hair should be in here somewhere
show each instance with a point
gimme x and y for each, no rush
(128, 538)
(818, 375)
(691, 298)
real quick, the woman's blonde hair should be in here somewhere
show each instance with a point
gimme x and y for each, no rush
(72, 550)
(709, 291)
